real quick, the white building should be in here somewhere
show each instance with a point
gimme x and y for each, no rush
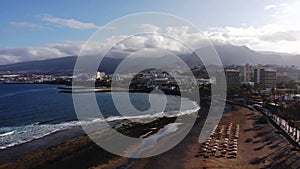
(100, 75)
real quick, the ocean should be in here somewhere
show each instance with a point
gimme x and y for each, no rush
(33, 111)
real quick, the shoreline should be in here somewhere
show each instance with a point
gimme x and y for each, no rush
(58, 145)
(40, 142)
(81, 152)
(41, 152)
(17, 151)
(259, 145)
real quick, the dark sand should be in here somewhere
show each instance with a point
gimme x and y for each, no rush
(65, 150)
(267, 149)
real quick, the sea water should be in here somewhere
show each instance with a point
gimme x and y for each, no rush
(33, 111)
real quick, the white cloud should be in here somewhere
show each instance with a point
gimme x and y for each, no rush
(287, 14)
(121, 44)
(281, 33)
(149, 28)
(6, 59)
(70, 23)
(268, 7)
(21, 54)
(281, 36)
(270, 37)
(31, 26)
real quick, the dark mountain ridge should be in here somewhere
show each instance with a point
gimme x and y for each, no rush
(229, 54)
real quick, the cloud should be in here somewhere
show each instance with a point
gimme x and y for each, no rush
(21, 54)
(6, 59)
(287, 14)
(149, 28)
(31, 26)
(268, 7)
(175, 39)
(272, 36)
(235, 35)
(280, 33)
(122, 44)
(70, 23)
(281, 36)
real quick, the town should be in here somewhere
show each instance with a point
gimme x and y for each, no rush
(270, 88)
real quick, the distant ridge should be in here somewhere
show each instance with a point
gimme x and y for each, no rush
(229, 54)
(62, 65)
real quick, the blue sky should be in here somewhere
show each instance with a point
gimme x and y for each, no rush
(37, 23)
(203, 14)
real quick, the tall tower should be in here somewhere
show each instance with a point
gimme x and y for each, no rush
(247, 73)
(265, 78)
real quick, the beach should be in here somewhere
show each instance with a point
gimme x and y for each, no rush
(259, 145)
(72, 149)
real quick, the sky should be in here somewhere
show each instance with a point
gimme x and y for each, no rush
(33, 30)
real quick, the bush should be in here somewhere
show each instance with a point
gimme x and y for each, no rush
(262, 120)
(249, 140)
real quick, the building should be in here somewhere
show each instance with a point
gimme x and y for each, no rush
(100, 75)
(247, 73)
(218, 79)
(232, 78)
(265, 78)
(282, 77)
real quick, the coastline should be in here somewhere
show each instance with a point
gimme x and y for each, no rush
(259, 146)
(16, 152)
(62, 150)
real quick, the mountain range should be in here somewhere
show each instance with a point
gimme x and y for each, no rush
(229, 55)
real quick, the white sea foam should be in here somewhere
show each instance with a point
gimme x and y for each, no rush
(7, 133)
(22, 134)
